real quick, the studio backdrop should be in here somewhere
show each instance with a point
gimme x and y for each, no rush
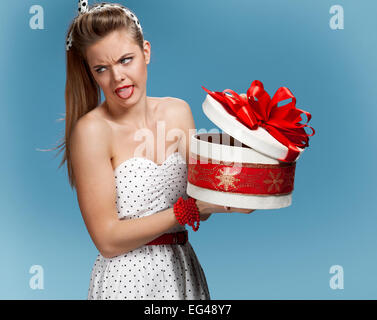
(322, 246)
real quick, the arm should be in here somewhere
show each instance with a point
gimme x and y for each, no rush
(188, 127)
(96, 194)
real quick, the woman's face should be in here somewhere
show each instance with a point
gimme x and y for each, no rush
(117, 61)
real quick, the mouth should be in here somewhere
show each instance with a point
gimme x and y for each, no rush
(125, 92)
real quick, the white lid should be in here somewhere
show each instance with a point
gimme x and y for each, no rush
(259, 139)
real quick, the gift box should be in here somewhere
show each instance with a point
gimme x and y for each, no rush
(251, 164)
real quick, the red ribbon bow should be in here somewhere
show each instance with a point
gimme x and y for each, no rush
(258, 109)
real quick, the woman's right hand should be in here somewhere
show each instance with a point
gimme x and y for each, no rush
(206, 208)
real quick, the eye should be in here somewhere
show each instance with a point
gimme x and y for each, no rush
(98, 70)
(130, 58)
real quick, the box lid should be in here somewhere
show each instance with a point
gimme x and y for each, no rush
(235, 114)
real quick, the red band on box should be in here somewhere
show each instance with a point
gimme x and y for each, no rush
(246, 178)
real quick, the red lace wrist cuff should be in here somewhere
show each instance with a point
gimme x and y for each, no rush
(186, 211)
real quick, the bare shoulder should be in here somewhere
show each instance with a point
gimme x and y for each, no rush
(91, 136)
(179, 115)
(90, 125)
(176, 110)
(177, 104)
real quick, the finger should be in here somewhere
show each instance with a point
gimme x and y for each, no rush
(205, 217)
(241, 210)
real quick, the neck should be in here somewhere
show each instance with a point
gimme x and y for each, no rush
(135, 116)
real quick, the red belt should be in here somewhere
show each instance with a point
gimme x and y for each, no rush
(171, 238)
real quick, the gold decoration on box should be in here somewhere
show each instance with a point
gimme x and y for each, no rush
(227, 178)
(193, 173)
(275, 181)
(289, 180)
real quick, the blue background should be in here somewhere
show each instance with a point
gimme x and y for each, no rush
(273, 254)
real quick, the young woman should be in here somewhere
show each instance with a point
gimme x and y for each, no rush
(134, 206)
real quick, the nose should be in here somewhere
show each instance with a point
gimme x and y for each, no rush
(118, 74)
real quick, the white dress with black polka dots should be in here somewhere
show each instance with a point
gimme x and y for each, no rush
(168, 271)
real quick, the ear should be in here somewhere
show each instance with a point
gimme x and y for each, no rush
(147, 51)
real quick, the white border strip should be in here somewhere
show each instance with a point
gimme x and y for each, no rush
(242, 201)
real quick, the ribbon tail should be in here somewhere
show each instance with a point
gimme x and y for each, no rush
(293, 151)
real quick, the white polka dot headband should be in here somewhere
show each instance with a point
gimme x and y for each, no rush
(83, 8)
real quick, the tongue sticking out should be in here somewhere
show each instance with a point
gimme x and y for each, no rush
(126, 92)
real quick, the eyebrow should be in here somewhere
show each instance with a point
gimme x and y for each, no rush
(123, 56)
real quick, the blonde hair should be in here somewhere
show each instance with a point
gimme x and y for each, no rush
(82, 93)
